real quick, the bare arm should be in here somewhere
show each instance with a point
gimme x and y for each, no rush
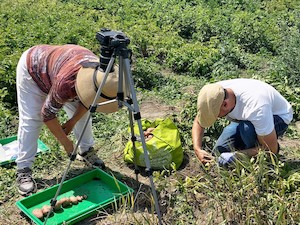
(197, 136)
(56, 129)
(61, 132)
(68, 126)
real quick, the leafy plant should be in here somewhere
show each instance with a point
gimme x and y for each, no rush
(177, 47)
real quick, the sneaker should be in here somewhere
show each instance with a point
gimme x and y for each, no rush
(91, 157)
(26, 184)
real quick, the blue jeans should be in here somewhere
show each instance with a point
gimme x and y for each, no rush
(241, 135)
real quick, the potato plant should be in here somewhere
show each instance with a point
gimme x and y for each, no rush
(177, 46)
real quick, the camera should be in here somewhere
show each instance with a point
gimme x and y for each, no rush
(109, 41)
(112, 39)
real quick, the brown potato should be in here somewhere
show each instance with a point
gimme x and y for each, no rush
(74, 200)
(150, 129)
(148, 133)
(58, 205)
(149, 137)
(79, 198)
(62, 200)
(38, 213)
(46, 209)
(66, 202)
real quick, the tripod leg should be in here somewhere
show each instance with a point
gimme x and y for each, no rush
(137, 117)
(128, 103)
(133, 139)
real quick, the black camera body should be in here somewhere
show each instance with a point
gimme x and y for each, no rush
(112, 39)
(109, 41)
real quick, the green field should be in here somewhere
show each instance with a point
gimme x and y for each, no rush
(177, 47)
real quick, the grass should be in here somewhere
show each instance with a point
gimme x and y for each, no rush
(252, 192)
(263, 190)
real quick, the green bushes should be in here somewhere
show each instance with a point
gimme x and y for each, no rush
(8, 122)
(193, 58)
(210, 40)
(147, 75)
(178, 46)
(28, 23)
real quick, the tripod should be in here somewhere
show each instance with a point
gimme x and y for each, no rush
(118, 46)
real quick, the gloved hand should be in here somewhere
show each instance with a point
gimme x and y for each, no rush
(226, 158)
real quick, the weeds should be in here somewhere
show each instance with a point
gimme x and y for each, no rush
(252, 192)
(204, 41)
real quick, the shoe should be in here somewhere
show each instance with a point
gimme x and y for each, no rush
(26, 184)
(91, 157)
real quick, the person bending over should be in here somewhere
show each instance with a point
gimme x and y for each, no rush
(50, 78)
(259, 114)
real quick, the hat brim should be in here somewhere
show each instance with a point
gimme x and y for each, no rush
(86, 89)
(206, 121)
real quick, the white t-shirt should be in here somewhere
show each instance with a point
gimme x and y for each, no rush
(257, 102)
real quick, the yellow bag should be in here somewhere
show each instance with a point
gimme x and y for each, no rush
(164, 148)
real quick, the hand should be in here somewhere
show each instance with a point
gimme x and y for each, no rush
(148, 131)
(68, 145)
(226, 158)
(204, 156)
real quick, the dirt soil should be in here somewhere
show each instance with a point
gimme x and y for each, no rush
(153, 109)
(190, 167)
(140, 183)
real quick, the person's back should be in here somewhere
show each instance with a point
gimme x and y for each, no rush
(51, 64)
(257, 102)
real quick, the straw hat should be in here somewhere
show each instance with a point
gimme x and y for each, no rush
(86, 88)
(209, 102)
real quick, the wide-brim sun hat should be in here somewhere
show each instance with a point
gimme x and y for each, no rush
(87, 83)
(209, 103)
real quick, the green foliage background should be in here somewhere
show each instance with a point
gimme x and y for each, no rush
(176, 44)
(212, 39)
(197, 41)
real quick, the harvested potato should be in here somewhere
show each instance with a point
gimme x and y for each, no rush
(84, 197)
(74, 200)
(148, 133)
(38, 213)
(63, 200)
(79, 198)
(46, 209)
(66, 202)
(149, 137)
(58, 205)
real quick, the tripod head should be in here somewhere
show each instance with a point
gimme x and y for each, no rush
(110, 41)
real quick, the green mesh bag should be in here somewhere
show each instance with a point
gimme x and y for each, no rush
(164, 147)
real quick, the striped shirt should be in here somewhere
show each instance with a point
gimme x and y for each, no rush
(54, 69)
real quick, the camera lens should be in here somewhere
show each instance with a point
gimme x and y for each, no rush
(105, 55)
